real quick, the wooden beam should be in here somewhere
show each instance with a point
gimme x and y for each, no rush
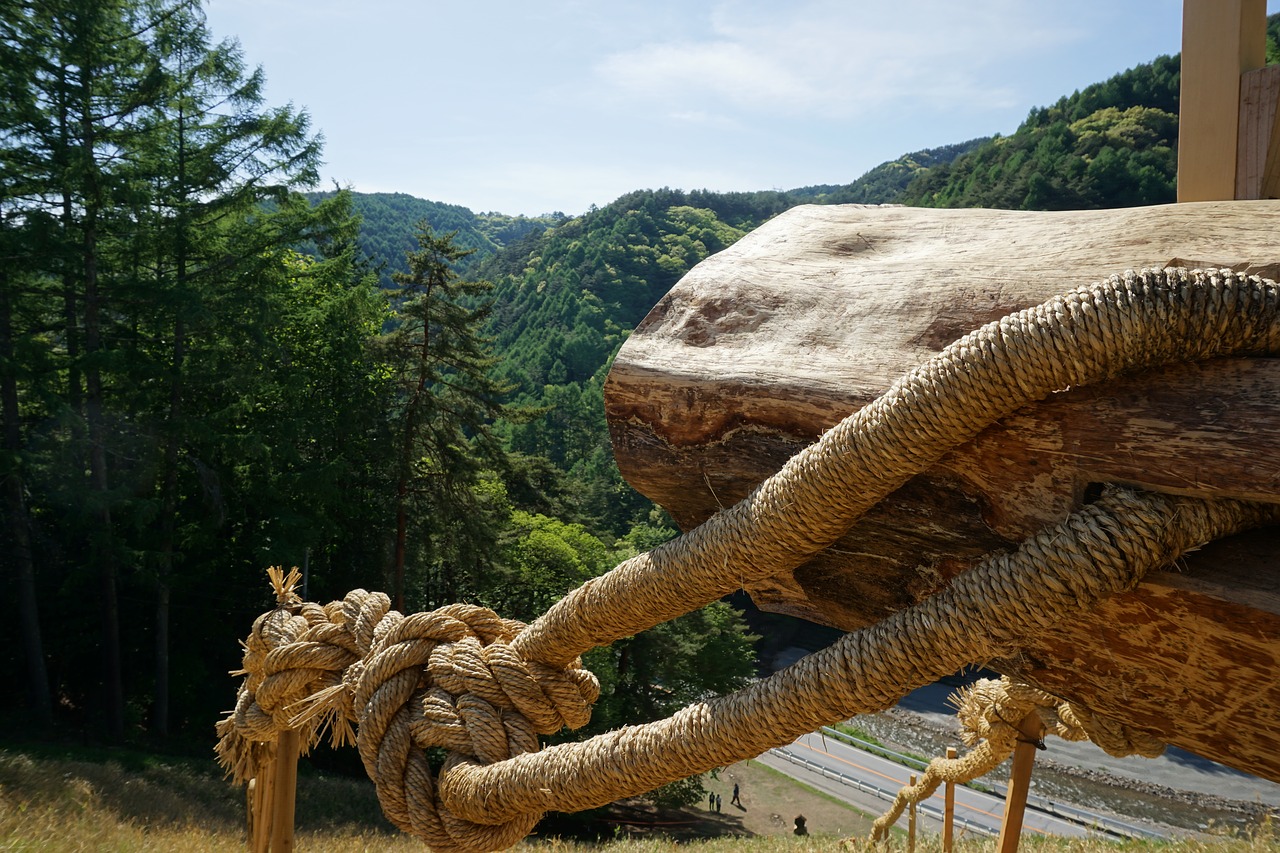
(1015, 801)
(1221, 40)
(1271, 172)
(1255, 147)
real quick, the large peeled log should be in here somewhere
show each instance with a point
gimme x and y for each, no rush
(762, 347)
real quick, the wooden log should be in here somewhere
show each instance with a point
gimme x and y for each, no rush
(761, 348)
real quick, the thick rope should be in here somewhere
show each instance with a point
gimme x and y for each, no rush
(465, 680)
(985, 613)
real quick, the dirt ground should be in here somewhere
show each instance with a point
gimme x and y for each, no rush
(770, 804)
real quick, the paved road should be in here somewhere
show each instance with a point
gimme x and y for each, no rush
(1176, 769)
(982, 811)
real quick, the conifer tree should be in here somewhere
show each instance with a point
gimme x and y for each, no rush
(446, 400)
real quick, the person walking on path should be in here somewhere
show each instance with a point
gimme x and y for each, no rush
(735, 801)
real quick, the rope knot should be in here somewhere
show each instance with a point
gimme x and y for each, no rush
(449, 679)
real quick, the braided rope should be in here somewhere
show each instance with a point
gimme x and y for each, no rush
(985, 613)
(465, 680)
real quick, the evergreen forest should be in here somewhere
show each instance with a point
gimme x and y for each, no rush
(209, 365)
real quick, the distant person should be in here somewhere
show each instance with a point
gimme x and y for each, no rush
(711, 802)
(800, 827)
(718, 802)
(735, 801)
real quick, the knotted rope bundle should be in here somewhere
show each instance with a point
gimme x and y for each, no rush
(494, 787)
(442, 679)
(988, 711)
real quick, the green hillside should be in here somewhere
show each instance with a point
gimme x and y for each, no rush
(1113, 144)
(388, 221)
(887, 182)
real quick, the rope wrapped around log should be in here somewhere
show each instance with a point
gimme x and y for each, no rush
(482, 687)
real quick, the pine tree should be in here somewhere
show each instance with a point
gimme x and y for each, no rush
(446, 400)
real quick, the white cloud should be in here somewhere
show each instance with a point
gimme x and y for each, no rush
(838, 59)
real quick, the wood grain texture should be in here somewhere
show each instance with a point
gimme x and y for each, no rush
(766, 345)
(1255, 157)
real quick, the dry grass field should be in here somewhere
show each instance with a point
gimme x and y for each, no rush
(134, 802)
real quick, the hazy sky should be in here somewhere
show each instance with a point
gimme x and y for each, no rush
(531, 107)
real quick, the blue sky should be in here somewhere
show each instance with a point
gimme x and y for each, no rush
(524, 107)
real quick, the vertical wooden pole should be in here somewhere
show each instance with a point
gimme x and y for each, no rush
(250, 802)
(285, 791)
(263, 783)
(1221, 39)
(1256, 150)
(949, 809)
(911, 820)
(1015, 803)
(1270, 184)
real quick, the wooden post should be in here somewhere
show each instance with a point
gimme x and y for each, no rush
(949, 808)
(911, 820)
(1270, 184)
(1221, 39)
(1257, 150)
(284, 792)
(260, 840)
(1015, 803)
(249, 803)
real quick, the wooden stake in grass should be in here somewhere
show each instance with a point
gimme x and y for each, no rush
(260, 840)
(949, 809)
(911, 820)
(285, 791)
(1015, 804)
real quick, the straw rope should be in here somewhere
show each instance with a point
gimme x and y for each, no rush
(482, 687)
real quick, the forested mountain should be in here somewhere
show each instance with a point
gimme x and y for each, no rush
(1113, 144)
(200, 377)
(388, 220)
(887, 182)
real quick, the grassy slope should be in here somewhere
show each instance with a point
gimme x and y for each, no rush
(131, 802)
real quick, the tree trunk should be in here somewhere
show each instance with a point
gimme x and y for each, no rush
(17, 522)
(99, 478)
(160, 721)
(100, 489)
